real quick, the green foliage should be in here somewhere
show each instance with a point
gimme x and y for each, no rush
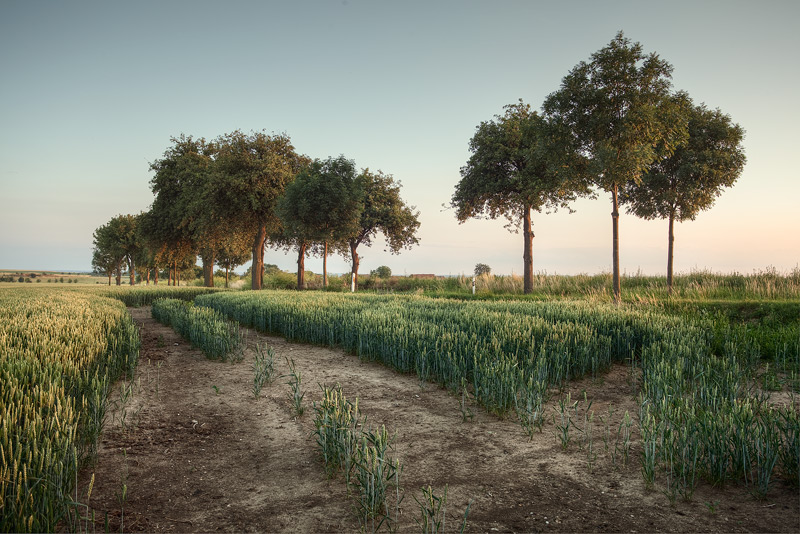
(205, 328)
(519, 162)
(323, 203)
(376, 474)
(336, 424)
(382, 211)
(250, 173)
(381, 272)
(296, 387)
(481, 269)
(688, 181)
(115, 242)
(619, 110)
(263, 367)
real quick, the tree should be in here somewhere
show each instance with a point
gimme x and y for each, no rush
(381, 272)
(233, 251)
(321, 206)
(618, 109)
(115, 242)
(680, 186)
(183, 216)
(128, 236)
(250, 172)
(519, 163)
(482, 268)
(103, 262)
(382, 210)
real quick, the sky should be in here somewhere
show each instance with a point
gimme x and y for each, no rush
(92, 92)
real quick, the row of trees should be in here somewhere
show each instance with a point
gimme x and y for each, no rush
(226, 200)
(614, 125)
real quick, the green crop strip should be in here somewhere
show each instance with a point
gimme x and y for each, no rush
(511, 353)
(205, 328)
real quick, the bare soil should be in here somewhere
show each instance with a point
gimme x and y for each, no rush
(196, 452)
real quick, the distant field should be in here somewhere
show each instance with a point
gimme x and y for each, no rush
(51, 277)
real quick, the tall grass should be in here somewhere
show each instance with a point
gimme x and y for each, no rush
(205, 328)
(59, 351)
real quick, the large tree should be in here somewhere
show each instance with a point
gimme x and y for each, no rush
(382, 210)
(250, 172)
(181, 217)
(519, 163)
(619, 111)
(321, 207)
(679, 186)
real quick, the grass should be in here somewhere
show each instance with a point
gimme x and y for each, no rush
(59, 351)
(513, 353)
(205, 328)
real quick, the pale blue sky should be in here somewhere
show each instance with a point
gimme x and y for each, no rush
(90, 93)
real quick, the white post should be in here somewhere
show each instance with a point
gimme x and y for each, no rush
(473, 285)
(352, 283)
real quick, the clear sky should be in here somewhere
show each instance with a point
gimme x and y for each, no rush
(91, 92)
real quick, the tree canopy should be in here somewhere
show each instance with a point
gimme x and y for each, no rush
(679, 186)
(250, 173)
(321, 206)
(481, 269)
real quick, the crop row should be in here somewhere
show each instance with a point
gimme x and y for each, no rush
(59, 353)
(205, 328)
(511, 354)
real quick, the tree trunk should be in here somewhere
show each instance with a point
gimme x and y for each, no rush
(177, 275)
(109, 277)
(301, 266)
(148, 276)
(354, 271)
(325, 265)
(670, 251)
(155, 276)
(119, 274)
(527, 255)
(226, 277)
(615, 244)
(132, 273)
(208, 271)
(257, 269)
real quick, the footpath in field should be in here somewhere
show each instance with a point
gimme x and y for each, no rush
(188, 448)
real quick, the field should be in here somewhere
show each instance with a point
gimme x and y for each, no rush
(554, 413)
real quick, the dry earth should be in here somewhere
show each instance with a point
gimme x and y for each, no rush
(198, 453)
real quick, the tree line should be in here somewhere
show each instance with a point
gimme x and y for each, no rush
(226, 200)
(614, 125)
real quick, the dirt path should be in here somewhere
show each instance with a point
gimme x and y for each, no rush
(197, 453)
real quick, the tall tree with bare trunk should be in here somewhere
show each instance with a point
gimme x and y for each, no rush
(618, 108)
(520, 163)
(679, 186)
(251, 171)
(382, 211)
